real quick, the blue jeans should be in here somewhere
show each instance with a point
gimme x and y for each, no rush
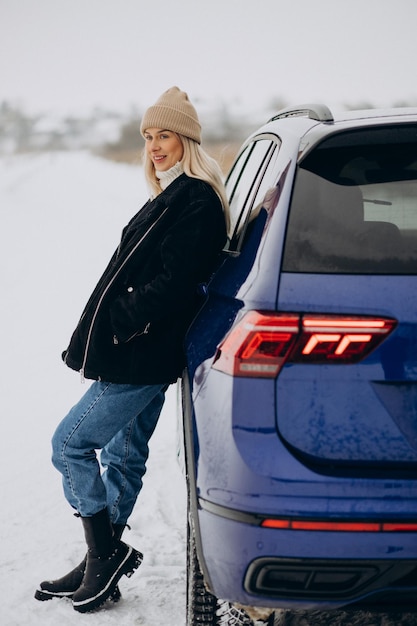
(118, 420)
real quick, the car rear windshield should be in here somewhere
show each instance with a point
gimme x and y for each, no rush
(354, 204)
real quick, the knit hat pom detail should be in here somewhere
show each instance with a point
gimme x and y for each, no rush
(173, 111)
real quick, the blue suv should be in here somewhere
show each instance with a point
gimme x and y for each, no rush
(299, 401)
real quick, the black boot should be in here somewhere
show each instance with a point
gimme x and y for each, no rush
(62, 587)
(66, 586)
(108, 559)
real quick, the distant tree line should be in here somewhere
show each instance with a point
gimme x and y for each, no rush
(117, 135)
(101, 129)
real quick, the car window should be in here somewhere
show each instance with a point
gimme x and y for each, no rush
(354, 205)
(249, 181)
(235, 173)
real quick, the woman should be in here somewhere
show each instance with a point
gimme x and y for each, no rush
(129, 341)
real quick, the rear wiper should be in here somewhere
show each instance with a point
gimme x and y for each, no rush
(384, 202)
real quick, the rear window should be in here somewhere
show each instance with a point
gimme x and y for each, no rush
(354, 205)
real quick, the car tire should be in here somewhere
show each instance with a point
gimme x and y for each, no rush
(201, 604)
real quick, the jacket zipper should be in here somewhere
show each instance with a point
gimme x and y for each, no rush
(93, 319)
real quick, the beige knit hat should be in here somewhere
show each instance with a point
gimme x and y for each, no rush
(173, 111)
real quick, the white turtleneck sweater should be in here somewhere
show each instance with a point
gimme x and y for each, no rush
(166, 178)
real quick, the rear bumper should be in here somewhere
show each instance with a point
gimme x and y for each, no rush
(344, 580)
(312, 570)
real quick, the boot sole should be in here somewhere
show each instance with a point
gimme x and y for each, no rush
(43, 595)
(127, 568)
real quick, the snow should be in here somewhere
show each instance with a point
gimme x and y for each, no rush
(61, 217)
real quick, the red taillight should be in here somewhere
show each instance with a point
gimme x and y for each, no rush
(258, 345)
(326, 339)
(262, 342)
(340, 526)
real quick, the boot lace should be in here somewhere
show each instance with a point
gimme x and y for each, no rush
(232, 616)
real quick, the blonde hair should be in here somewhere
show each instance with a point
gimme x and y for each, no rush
(196, 163)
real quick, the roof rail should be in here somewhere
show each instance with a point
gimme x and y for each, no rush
(319, 112)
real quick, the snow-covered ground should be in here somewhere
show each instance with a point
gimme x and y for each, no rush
(61, 217)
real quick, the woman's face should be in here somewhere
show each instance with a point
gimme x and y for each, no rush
(164, 148)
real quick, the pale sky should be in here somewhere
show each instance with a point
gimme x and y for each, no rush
(66, 56)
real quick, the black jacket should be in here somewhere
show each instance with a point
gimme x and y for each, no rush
(133, 326)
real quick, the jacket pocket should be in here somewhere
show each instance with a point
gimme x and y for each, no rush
(136, 334)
